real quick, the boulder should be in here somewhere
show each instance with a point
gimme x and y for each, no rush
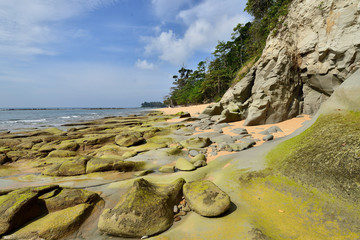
(197, 142)
(205, 198)
(200, 163)
(62, 198)
(16, 208)
(20, 206)
(73, 167)
(184, 115)
(68, 145)
(184, 165)
(129, 139)
(213, 109)
(227, 116)
(268, 137)
(109, 164)
(198, 157)
(144, 210)
(61, 154)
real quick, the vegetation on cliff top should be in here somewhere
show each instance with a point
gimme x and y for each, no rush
(213, 77)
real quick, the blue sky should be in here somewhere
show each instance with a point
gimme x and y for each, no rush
(105, 53)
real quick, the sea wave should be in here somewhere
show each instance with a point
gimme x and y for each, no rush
(27, 121)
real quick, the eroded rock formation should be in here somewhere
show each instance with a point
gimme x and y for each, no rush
(315, 49)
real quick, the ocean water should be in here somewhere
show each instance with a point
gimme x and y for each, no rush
(19, 119)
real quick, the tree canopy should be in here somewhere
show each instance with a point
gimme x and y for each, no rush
(214, 76)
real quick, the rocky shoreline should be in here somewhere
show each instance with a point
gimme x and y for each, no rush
(47, 166)
(155, 176)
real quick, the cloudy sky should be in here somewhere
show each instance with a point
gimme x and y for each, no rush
(105, 53)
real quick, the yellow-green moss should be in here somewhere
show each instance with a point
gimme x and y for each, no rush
(326, 155)
(283, 209)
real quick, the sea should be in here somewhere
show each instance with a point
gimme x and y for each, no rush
(16, 119)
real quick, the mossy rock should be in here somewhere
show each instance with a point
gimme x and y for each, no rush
(5, 149)
(173, 151)
(144, 210)
(149, 146)
(129, 154)
(48, 147)
(26, 145)
(99, 165)
(4, 159)
(73, 167)
(184, 165)
(68, 145)
(20, 206)
(96, 139)
(128, 139)
(197, 142)
(110, 149)
(167, 169)
(62, 154)
(62, 198)
(16, 155)
(206, 199)
(55, 225)
(53, 131)
(161, 140)
(111, 164)
(16, 208)
(198, 157)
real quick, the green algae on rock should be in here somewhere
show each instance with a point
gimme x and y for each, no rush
(325, 156)
(146, 209)
(54, 225)
(184, 165)
(205, 198)
(197, 142)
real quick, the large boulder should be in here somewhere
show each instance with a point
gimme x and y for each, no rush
(316, 48)
(146, 209)
(205, 198)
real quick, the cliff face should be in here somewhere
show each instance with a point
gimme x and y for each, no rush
(314, 51)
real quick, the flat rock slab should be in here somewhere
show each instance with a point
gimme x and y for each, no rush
(54, 225)
(205, 198)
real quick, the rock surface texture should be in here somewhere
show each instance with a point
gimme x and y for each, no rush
(316, 48)
(206, 199)
(146, 209)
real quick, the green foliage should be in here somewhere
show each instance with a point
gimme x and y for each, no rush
(213, 77)
(152, 105)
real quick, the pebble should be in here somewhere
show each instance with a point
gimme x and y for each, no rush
(177, 218)
(176, 209)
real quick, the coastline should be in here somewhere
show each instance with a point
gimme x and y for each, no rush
(99, 140)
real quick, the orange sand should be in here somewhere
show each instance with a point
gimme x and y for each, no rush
(288, 126)
(193, 110)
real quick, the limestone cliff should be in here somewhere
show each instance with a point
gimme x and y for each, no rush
(315, 49)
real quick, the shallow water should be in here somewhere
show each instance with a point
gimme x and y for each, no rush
(19, 119)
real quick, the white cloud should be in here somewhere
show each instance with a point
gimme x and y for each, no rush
(206, 23)
(143, 64)
(167, 9)
(28, 26)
